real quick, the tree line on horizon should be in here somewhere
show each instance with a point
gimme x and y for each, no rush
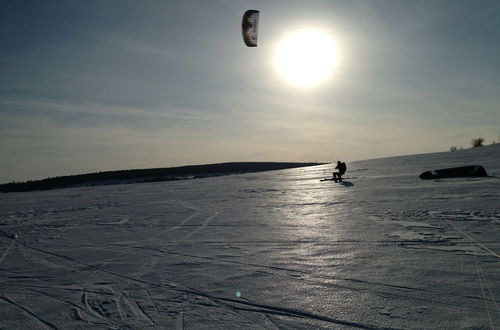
(149, 175)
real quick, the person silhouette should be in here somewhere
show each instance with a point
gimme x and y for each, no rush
(342, 167)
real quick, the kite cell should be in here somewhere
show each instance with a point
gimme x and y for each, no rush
(249, 27)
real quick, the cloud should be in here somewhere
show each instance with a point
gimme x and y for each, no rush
(48, 108)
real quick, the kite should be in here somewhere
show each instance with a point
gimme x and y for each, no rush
(249, 27)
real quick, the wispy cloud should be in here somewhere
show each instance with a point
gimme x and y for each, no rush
(161, 111)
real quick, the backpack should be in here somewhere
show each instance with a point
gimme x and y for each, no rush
(343, 168)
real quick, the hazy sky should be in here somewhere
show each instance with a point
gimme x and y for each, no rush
(90, 86)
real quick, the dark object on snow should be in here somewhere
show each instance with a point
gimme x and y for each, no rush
(454, 172)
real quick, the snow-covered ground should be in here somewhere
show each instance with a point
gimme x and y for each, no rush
(266, 250)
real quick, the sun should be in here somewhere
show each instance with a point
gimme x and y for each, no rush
(306, 57)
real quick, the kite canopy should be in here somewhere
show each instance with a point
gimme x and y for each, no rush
(249, 27)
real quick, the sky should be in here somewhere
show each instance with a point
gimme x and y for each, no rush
(90, 86)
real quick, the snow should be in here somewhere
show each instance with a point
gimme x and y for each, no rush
(266, 250)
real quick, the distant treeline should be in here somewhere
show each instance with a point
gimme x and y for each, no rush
(149, 175)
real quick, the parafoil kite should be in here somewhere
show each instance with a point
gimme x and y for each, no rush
(249, 27)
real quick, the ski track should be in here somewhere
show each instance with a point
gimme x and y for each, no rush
(320, 278)
(270, 309)
(179, 325)
(268, 323)
(485, 301)
(473, 240)
(136, 309)
(485, 284)
(267, 308)
(187, 206)
(201, 227)
(90, 309)
(39, 320)
(150, 299)
(179, 225)
(99, 320)
(262, 308)
(7, 250)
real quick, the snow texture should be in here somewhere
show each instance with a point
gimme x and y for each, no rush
(271, 250)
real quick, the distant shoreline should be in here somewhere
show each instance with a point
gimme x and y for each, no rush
(148, 175)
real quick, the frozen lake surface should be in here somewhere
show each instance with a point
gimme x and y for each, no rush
(270, 250)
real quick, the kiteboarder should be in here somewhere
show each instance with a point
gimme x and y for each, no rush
(342, 167)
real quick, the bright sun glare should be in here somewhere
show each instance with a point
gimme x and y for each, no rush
(306, 57)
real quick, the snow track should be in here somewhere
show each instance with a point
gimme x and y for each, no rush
(99, 309)
(39, 321)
